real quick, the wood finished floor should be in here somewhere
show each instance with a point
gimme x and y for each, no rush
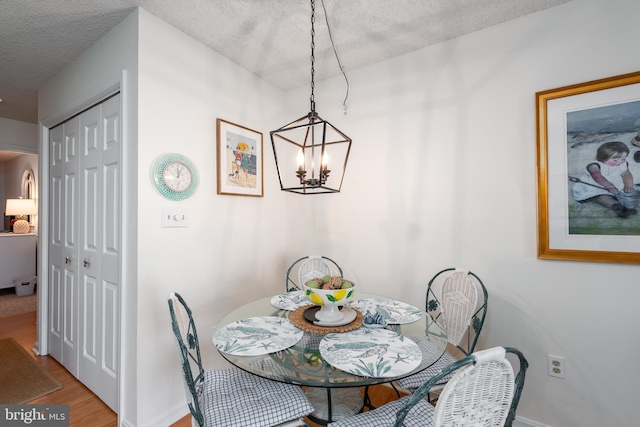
(85, 408)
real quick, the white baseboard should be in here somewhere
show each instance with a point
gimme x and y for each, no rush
(524, 422)
(171, 417)
(167, 418)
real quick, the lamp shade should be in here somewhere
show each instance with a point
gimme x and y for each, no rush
(20, 207)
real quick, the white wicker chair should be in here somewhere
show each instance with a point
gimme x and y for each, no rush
(457, 299)
(482, 392)
(309, 267)
(231, 397)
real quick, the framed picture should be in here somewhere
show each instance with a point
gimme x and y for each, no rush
(240, 160)
(588, 158)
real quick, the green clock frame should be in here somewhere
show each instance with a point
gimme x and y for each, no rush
(157, 170)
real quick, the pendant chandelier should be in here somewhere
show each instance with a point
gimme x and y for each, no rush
(305, 148)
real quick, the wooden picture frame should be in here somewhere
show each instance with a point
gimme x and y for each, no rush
(573, 123)
(240, 160)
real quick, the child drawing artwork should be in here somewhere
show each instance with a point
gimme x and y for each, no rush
(603, 167)
(606, 178)
(241, 160)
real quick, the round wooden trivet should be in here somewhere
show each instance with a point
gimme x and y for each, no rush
(297, 318)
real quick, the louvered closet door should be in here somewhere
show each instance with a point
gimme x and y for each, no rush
(86, 217)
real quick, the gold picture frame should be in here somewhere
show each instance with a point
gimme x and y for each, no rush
(572, 123)
(240, 160)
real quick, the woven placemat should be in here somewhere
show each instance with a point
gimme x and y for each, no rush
(297, 318)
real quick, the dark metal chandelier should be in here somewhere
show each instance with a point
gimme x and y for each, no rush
(310, 144)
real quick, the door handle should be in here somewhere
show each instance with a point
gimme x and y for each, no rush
(87, 263)
(67, 260)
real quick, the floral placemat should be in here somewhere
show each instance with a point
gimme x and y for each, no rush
(289, 300)
(395, 312)
(297, 318)
(257, 335)
(377, 353)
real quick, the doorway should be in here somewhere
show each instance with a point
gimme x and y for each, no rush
(18, 177)
(17, 252)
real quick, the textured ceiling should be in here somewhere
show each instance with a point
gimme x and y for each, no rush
(269, 37)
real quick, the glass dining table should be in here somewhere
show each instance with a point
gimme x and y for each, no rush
(333, 392)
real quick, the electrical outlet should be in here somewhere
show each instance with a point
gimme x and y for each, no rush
(555, 366)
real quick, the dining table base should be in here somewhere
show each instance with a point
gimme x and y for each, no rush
(333, 404)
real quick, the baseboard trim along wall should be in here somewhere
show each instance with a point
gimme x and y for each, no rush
(168, 418)
(524, 422)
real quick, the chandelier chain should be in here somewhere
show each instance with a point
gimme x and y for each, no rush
(313, 58)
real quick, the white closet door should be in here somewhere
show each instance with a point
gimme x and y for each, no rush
(85, 247)
(63, 264)
(100, 249)
(111, 248)
(55, 270)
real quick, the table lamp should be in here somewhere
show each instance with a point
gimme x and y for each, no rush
(20, 208)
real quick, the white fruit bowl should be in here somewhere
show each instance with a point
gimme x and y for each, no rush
(330, 301)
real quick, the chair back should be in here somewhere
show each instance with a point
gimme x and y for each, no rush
(482, 391)
(458, 299)
(309, 267)
(184, 330)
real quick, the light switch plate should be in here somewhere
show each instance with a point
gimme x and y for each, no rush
(174, 217)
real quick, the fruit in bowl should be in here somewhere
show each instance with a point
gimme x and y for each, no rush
(330, 293)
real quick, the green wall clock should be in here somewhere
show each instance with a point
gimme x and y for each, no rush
(174, 176)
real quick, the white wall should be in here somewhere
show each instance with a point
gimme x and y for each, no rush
(235, 248)
(18, 136)
(14, 171)
(443, 173)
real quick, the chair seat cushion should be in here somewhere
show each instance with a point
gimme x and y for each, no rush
(232, 397)
(385, 416)
(412, 382)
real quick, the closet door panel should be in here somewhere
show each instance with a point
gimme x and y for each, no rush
(91, 336)
(100, 247)
(70, 322)
(112, 193)
(110, 249)
(70, 245)
(56, 248)
(90, 208)
(111, 334)
(85, 247)
(55, 313)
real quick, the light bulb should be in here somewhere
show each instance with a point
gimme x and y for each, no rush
(300, 161)
(325, 161)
